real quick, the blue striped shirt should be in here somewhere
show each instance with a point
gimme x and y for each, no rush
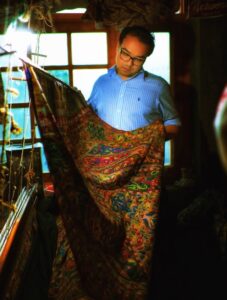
(132, 103)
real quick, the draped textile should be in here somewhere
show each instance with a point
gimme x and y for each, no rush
(128, 13)
(107, 184)
(205, 8)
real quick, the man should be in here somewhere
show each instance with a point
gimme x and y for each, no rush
(128, 97)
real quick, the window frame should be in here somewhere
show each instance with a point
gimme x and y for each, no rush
(72, 23)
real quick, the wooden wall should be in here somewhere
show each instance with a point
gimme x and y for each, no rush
(200, 59)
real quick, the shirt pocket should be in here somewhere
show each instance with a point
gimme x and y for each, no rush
(140, 101)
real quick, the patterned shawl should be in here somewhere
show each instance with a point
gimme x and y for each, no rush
(107, 183)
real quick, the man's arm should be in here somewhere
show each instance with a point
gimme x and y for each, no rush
(171, 131)
(168, 110)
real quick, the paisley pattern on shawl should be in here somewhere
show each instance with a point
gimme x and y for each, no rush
(107, 183)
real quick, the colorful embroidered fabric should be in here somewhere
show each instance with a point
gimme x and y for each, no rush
(107, 183)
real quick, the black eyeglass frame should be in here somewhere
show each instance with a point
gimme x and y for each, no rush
(125, 56)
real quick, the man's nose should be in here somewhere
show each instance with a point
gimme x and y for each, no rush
(130, 62)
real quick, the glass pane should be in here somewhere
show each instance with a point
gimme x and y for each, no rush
(84, 79)
(159, 61)
(78, 10)
(22, 117)
(167, 153)
(51, 45)
(63, 75)
(12, 42)
(4, 59)
(37, 132)
(15, 87)
(89, 48)
(8, 61)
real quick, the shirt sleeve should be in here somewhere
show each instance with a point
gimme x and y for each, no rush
(93, 96)
(167, 107)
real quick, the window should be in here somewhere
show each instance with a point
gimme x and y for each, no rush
(77, 64)
(67, 55)
(161, 67)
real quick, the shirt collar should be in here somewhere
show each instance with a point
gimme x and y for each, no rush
(112, 72)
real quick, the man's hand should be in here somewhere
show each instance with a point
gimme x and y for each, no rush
(171, 131)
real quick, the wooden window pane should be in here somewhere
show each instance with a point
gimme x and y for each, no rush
(84, 79)
(12, 44)
(159, 61)
(54, 46)
(63, 75)
(19, 91)
(89, 48)
(167, 153)
(23, 119)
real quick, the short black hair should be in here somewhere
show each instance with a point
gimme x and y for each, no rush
(143, 34)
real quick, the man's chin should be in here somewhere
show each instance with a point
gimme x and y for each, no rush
(126, 72)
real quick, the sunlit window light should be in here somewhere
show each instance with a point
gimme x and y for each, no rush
(78, 10)
(17, 38)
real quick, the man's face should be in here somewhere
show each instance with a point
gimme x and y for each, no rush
(130, 57)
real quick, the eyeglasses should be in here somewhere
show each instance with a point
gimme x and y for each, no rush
(137, 61)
